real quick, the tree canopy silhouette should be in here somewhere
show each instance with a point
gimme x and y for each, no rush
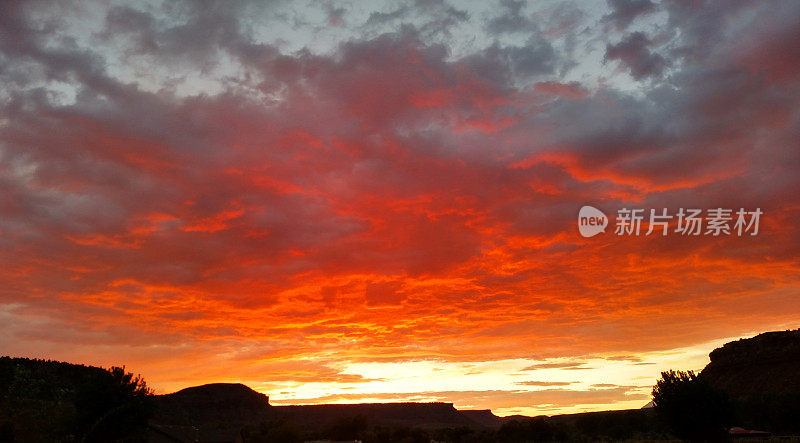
(113, 405)
(692, 408)
(53, 401)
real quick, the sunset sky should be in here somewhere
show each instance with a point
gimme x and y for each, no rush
(364, 201)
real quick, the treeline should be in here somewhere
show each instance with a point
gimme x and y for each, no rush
(49, 401)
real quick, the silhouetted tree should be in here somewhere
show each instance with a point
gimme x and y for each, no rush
(113, 405)
(691, 407)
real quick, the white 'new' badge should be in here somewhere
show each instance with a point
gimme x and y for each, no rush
(591, 221)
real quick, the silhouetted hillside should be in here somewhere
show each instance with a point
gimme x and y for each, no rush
(622, 424)
(768, 364)
(228, 404)
(762, 375)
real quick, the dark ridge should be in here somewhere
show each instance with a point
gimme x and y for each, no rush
(221, 393)
(515, 417)
(423, 415)
(216, 404)
(765, 365)
(621, 414)
(483, 417)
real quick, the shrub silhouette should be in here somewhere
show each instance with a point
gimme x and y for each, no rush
(691, 407)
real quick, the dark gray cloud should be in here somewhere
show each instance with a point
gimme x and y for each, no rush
(634, 53)
(623, 12)
(186, 33)
(433, 18)
(377, 18)
(511, 19)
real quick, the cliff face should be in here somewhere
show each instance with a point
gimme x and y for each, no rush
(765, 365)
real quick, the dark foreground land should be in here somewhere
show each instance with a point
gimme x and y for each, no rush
(53, 401)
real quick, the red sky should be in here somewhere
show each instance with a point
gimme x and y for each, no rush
(379, 202)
